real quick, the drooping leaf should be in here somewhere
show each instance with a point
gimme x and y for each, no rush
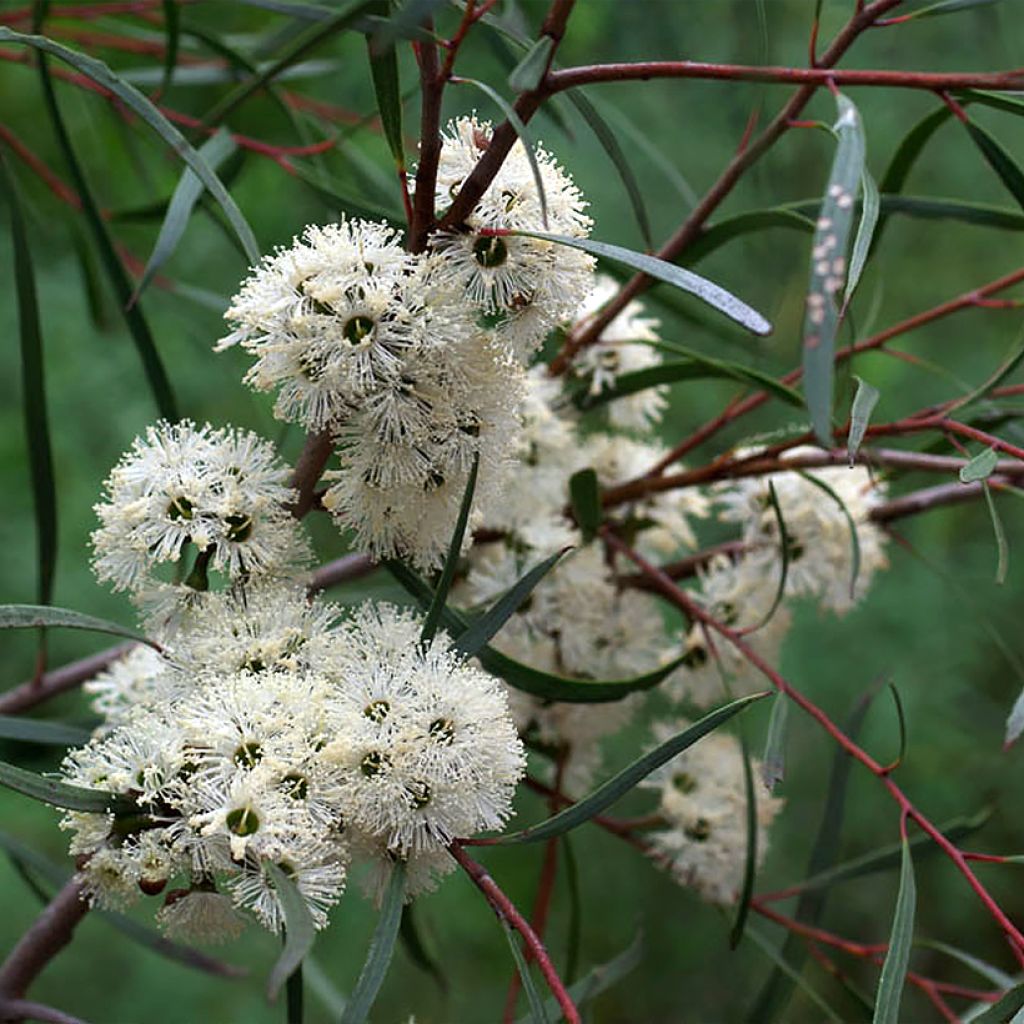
(851, 524)
(1002, 545)
(986, 970)
(187, 193)
(604, 134)
(152, 364)
(135, 101)
(433, 617)
(607, 793)
(828, 266)
(705, 290)
(172, 30)
(382, 948)
(694, 367)
(32, 616)
(538, 1015)
(33, 385)
(949, 7)
(481, 629)
(773, 767)
(980, 467)
(62, 794)
(412, 941)
(901, 721)
(526, 75)
(339, 20)
(870, 206)
(1006, 1011)
(785, 544)
(716, 235)
(300, 930)
(999, 160)
(574, 928)
(408, 22)
(910, 148)
(585, 499)
(34, 730)
(386, 86)
(894, 968)
(750, 859)
(524, 137)
(864, 402)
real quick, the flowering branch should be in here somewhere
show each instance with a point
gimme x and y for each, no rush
(506, 911)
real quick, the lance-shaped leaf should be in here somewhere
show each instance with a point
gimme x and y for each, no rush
(187, 193)
(585, 498)
(37, 431)
(620, 784)
(444, 584)
(31, 616)
(785, 543)
(62, 794)
(999, 160)
(300, 930)
(870, 206)
(538, 1014)
(750, 860)
(894, 969)
(133, 318)
(408, 22)
(386, 86)
(851, 525)
(988, 971)
(135, 101)
(1008, 365)
(980, 467)
(57, 876)
(705, 290)
(1006, 1011)
(828, 267)
(716, 235)
(34, 730)
(382, 948)
(864, 402)
(1002, 545)
(527, 74)
(773, 767)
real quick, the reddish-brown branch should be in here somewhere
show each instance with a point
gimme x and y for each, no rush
(25, 1009)
(87, 10)
(685, 603)
(692, 227)
(308, 469)
(431, 91)
(506, 911)
(47, 936)
(591, 74)
(59, 680)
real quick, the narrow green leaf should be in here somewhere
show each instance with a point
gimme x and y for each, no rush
(526, 75)
(33, 385)
(134, 100)
(828, 265)
(297, 48)
(300, 930)
(773, 767)
(725, 230)
(693, 367)
(32, 616)
(607, 793)
(433, 617)
(1008, 365)
(980, 467)
(854, 538)
(949, 7)
(538, 1015)
(685, 280)
(480, 630)
(910, 148)
(794, 976)
(172, 30)
(585, 499)
(134, 320)
(870, 206)
(34, 730)
(610, 144)
(901, 720)
(986, 970)
(999, 160)
(524, 137)
(750, 860)
(784, 555)
(1005, 1011)
(894, 969)
(1002, 546)
(574, 928)
(382, 948)
(407, 23)
(386, 87)
(187, 193)
(56, 876)
(864, 402)
(323, 988)
(61, 794)
(413, 943)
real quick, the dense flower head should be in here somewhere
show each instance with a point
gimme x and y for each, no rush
(220, 493)
(275, 733)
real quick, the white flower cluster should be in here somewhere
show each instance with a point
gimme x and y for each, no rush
(414, 362)
(704, 804)
(272, 732)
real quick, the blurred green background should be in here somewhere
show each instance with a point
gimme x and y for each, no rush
(933, 639)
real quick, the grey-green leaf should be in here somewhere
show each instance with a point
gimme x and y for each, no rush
(382, 948)
(894, 969)
(870, 205)
(828, 266)
(585, 498)
(705, 290)
(864, 402)
(387, 87)
(526, 75)
(186, 194)
(300, 930)
(538, 1015)
(773, 767)
(31, 616)
(999, 160)
(34, 730)
(62, 794)
(1002, 545)
(980, 467)
(606, 794)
